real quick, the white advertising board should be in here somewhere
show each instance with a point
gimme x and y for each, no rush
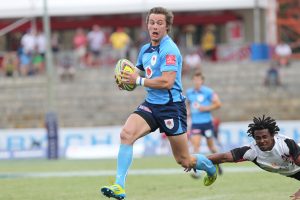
(103, 142)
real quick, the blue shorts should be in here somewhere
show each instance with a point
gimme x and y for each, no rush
(205, 129)
(170, 118)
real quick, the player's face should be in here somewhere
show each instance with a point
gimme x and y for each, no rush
(198, 81)
(264, 139)
(157, 28)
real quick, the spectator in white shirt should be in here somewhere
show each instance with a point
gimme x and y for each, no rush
(283, 53)
(96, 39)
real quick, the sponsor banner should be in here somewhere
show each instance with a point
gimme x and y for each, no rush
(233, 52)
(235, 32)
(103, 142)
(100, 151)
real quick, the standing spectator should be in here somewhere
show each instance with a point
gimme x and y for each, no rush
(283, 53)
(96, 39)
(28, 42)
(27, 50)
(55, 40)
(39, 56)
(120, 42)
(55, 46)
(80, 43)
(201, 101)
(41, 43)
(208, 42)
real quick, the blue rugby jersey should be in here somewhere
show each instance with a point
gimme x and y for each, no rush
(157, 59)
(202, 97)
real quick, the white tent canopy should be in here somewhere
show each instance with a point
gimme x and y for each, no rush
(33, 8)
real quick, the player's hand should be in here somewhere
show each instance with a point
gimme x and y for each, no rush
(118, 83)
(189, 169)
(296, 195)
(128, 78)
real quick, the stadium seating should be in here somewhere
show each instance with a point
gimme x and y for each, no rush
(92, 98)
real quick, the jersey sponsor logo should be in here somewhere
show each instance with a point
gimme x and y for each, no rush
(153, 60)
(149, 72)
(145, 108)
(170, 60)
(195, 131)
(169, 123)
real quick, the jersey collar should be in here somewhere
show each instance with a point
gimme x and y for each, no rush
(166, 37)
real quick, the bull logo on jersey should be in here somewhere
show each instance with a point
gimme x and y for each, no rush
(196, 105)
(200, 98)
(153, 60)
(149, 72)
(169, 123)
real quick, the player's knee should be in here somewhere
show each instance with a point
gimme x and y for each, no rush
(126, 136)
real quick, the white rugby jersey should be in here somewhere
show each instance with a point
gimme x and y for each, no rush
(278, 160)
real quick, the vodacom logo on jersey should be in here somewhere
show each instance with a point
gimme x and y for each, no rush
(170, 60)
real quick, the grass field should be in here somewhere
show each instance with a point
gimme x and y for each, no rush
(81, 180)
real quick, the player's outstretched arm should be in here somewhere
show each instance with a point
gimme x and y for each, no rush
(296, 195)
(218, 158)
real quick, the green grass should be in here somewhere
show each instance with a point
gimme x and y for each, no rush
(231, 186)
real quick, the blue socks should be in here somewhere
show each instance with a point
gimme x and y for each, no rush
(203, 163)
(123, 163)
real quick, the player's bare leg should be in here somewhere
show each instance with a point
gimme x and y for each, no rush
(179, 145)
(134, 128)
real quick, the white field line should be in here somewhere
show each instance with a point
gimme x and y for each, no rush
(164, 171)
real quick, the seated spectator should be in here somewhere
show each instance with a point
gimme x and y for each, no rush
(283, 53)
(67, 69)
(273, 77)
(10, 63)
(38, 65)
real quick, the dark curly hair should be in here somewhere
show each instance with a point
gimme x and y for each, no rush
(263, 123)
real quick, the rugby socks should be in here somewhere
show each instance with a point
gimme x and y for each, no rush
(123, 163)
(203, 163)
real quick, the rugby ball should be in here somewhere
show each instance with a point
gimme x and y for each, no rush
(124, 65)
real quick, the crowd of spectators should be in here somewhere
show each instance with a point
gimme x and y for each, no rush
(101, 46)
(88, 50)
